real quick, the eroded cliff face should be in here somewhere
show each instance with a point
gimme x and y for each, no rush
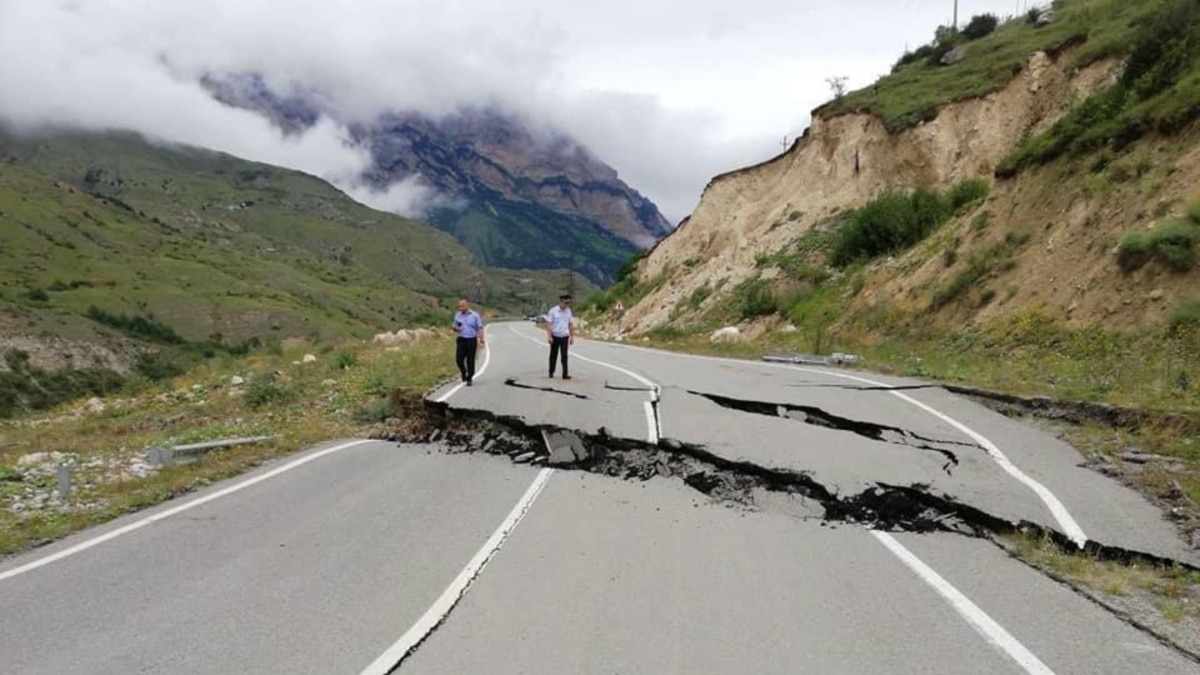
(840, 164)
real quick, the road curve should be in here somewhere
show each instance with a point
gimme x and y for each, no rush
(374, 554)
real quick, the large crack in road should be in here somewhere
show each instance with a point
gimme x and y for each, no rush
(870, 430)
(897, 508)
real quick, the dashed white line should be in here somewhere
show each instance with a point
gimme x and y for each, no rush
(437, 613)
(991, 631)
(154, 518)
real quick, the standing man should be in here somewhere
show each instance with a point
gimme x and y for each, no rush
(560, 332)
(469, 327)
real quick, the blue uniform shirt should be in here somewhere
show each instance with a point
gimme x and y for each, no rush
(468, 323)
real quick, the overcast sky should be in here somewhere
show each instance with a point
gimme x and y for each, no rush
(668, 92)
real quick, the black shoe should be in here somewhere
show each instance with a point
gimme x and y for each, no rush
(566, 377)
(470, 381)
(551, 376)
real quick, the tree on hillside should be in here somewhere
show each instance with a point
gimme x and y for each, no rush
(838, 86)
(981, 26)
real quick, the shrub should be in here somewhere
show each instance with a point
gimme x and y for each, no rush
(158, 366)
(1186, 315)
(145, 327)
(757, 299)
(981, 26)
(968, 193)
(1194, 213)
(889, 223)
(1016, 238)
(264, 390)
(346, 360)
(37, 294)
(1173, 242)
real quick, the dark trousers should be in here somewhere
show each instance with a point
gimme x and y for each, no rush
(465, 357)
(558, 344)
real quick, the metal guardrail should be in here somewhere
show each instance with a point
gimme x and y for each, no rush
(836, 359)
(159, 456)
(162, 455)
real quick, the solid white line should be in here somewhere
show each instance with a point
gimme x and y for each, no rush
(113, 534)
(651, 424)
(993, 632)
(438, 612)
(1070, 526)
(487, 358)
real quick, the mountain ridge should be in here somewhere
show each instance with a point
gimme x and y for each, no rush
(549, 200)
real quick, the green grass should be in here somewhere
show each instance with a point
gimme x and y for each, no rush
(1186, 315)
(1158, 92)
(206, 243)
(915, 91)
(1172, 242)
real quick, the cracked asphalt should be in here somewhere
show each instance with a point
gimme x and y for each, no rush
(331, 562)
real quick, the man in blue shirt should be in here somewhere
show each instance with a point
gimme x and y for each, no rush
(469, 327)
(560, 332)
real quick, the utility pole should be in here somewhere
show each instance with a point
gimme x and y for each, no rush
(955, 16)
(784, 144)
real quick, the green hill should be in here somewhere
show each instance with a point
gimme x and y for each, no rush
(112, 241)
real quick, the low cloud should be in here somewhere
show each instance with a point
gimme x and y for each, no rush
(411, 197)
(668, 94)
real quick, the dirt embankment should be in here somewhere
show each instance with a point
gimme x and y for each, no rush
(840, 164)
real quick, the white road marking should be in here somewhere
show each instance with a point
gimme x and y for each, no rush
(154, 518)
(1070, 526)
(651, 424)
(441, 608)
(487, 358)
(653, 415)
(993, 632)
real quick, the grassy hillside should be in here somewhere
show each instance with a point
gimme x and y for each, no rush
(110, 240)
(208, 243)
(919, 85)
(529, 236)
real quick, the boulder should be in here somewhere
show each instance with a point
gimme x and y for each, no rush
(94, 406)
(237, 380)
(310, 358)
(726, 334)
(1045, 19)
(955, 55)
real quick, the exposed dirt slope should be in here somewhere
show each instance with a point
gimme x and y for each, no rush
(843, 162)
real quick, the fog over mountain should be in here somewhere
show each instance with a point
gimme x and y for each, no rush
(666, 93)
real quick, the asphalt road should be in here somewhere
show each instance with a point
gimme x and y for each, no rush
(348, 558)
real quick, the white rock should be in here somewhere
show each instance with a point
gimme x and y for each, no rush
(329, 383)
(790, 328)
(726, 334)
(36, 458)
(94, 406)
(310, 358)
(237, 380)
